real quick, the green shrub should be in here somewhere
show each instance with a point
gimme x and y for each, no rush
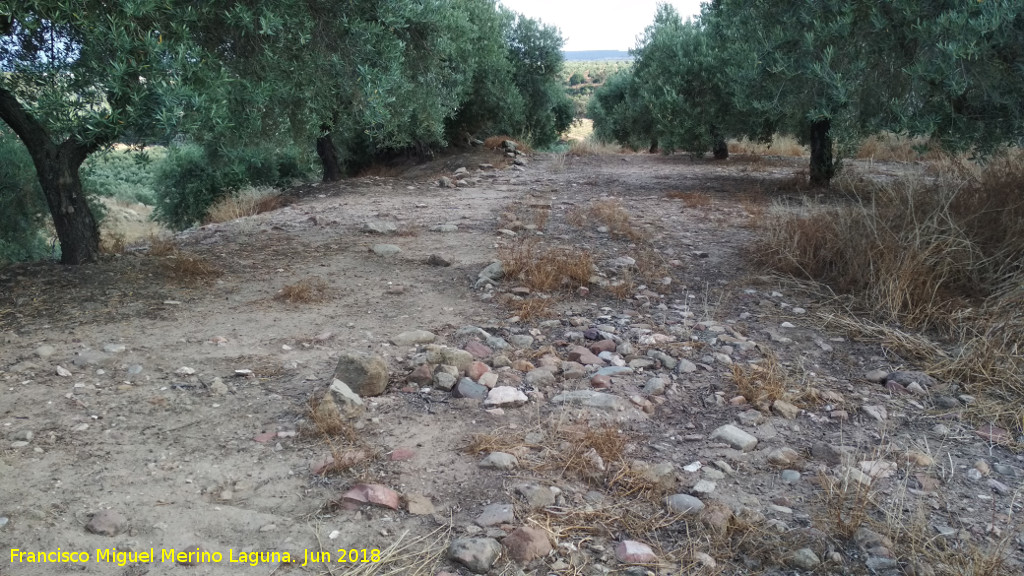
(126, 175)
(23, 211)
(191, 178)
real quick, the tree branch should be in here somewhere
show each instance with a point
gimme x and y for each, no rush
(31, 132)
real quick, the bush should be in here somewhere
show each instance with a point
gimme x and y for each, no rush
(126, 175)
(191, 179)
(23, 211)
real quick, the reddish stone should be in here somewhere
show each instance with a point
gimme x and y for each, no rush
(583, 356)
(993, 434)
(478, 349)
(601, 381)
(525, 544)
(476, 370)
(265, 437)
(421, 376)
(371, 494)
(603, 346)
(402, 454)
(632, 552)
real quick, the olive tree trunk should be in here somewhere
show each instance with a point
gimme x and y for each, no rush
(822, 165)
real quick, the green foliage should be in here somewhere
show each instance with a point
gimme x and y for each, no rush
(22, 206)
(125, 174)
(535, 51)
(191, 178)
(576, 79)
(621, 114)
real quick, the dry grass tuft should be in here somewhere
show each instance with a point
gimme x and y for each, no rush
(246, 202)
(494, 143)
(113, 243)
(610, 213)
(591, 147)
(544, 269)
(160, 247)
(761, 384)
(692, 199)
(304, 291)
(535, 308)
(943, 254)
(781, 145)
(889, 147)
(182, 266)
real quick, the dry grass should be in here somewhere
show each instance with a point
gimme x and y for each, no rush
(535, 309)
(246, 202)
(179, 265)
(889, 147)
(546, 269)
(761, 384)
(591, 147)
(943, 254)
(304, 291)
(494, 143)
(781, 145)
(692, 199)
(611, 213)
(112, 242)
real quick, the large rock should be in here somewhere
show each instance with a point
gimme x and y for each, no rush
(365, 374)
(476, 554)
(735, 437)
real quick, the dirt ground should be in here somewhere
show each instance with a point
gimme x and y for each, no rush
(109, 399)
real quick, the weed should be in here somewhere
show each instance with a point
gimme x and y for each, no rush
(692, 199)
(304, 291)
(535, 308)
(246, 202)
(780, 145)
(543, 269)
(495, 142)
(763, 383)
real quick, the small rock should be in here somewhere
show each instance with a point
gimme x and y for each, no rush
(379, 227)
(600, 381)
(879, 413)
(476, 370)
(412, 338)
(218, 387)
(703, 488)
(655, 387)
(478, 349)
(107, 523)
(537, 497)
(584, 356)
(114, 348)
(805, 559)
(476, 554)
(375, 494)
(45, 351)
(466, 388)
(784, 457)
(785, 409)
(539, 377)
(735, 437)
(440, 261)
(790, 476)
(686, 367)
(444, 381)
(495, 514)
(905, 378)
(421, 376)
(526, 544)
(445, 228)
(500, 461)
(504, 396)
(523, 341)
(633, 552)
(365, 374)
(348, 402)
(62, 371)
(488, 379)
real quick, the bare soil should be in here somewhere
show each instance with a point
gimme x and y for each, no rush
(133, 432)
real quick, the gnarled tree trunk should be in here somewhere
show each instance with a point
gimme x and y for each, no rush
(328, 154)
(57, 167)
(822, 165)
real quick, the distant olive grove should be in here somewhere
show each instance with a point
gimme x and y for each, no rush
(247, 93)
(830, 72)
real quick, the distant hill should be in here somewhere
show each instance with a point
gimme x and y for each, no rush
(595, 55)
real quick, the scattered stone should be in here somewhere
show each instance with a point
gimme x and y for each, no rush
(591, 399)
(385, 249)
(735, 437)
(500, 461)
(380, 227)
(907, 378)
(490, 274)
(107, 523)
(878, 469)
(615, 371)
(751, 418)
(476, 554)
(495, 514)
(348, 403)
(445, 228)
(703, 487)
(504, 396)
(478, 349)
(805, 559)
(994, 434)
(879, 413)
(365, 374)
(920, 459)
(723, 359)
(536, 496)
(421, 376)
(466, 388)
(539, 377)
(785, 409)
(521, 341)
(601, 381)
(45, 351)
(655, 387)
(633, 552)
(439, 261)
(445, 182)
(374, 494)
(526, 544)
(784, 457)
(476, 370)
(419, 505)
(444, 381)
(488, 379)
(218, 387)
(64, 372)
(412, 338)
(584, 356)
(114, 348)
(790, 476)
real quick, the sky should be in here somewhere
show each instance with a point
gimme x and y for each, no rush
(599, 24)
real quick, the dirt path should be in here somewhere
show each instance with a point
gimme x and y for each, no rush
(120, 389)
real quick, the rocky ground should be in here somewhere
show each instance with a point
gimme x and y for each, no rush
(352, 372)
